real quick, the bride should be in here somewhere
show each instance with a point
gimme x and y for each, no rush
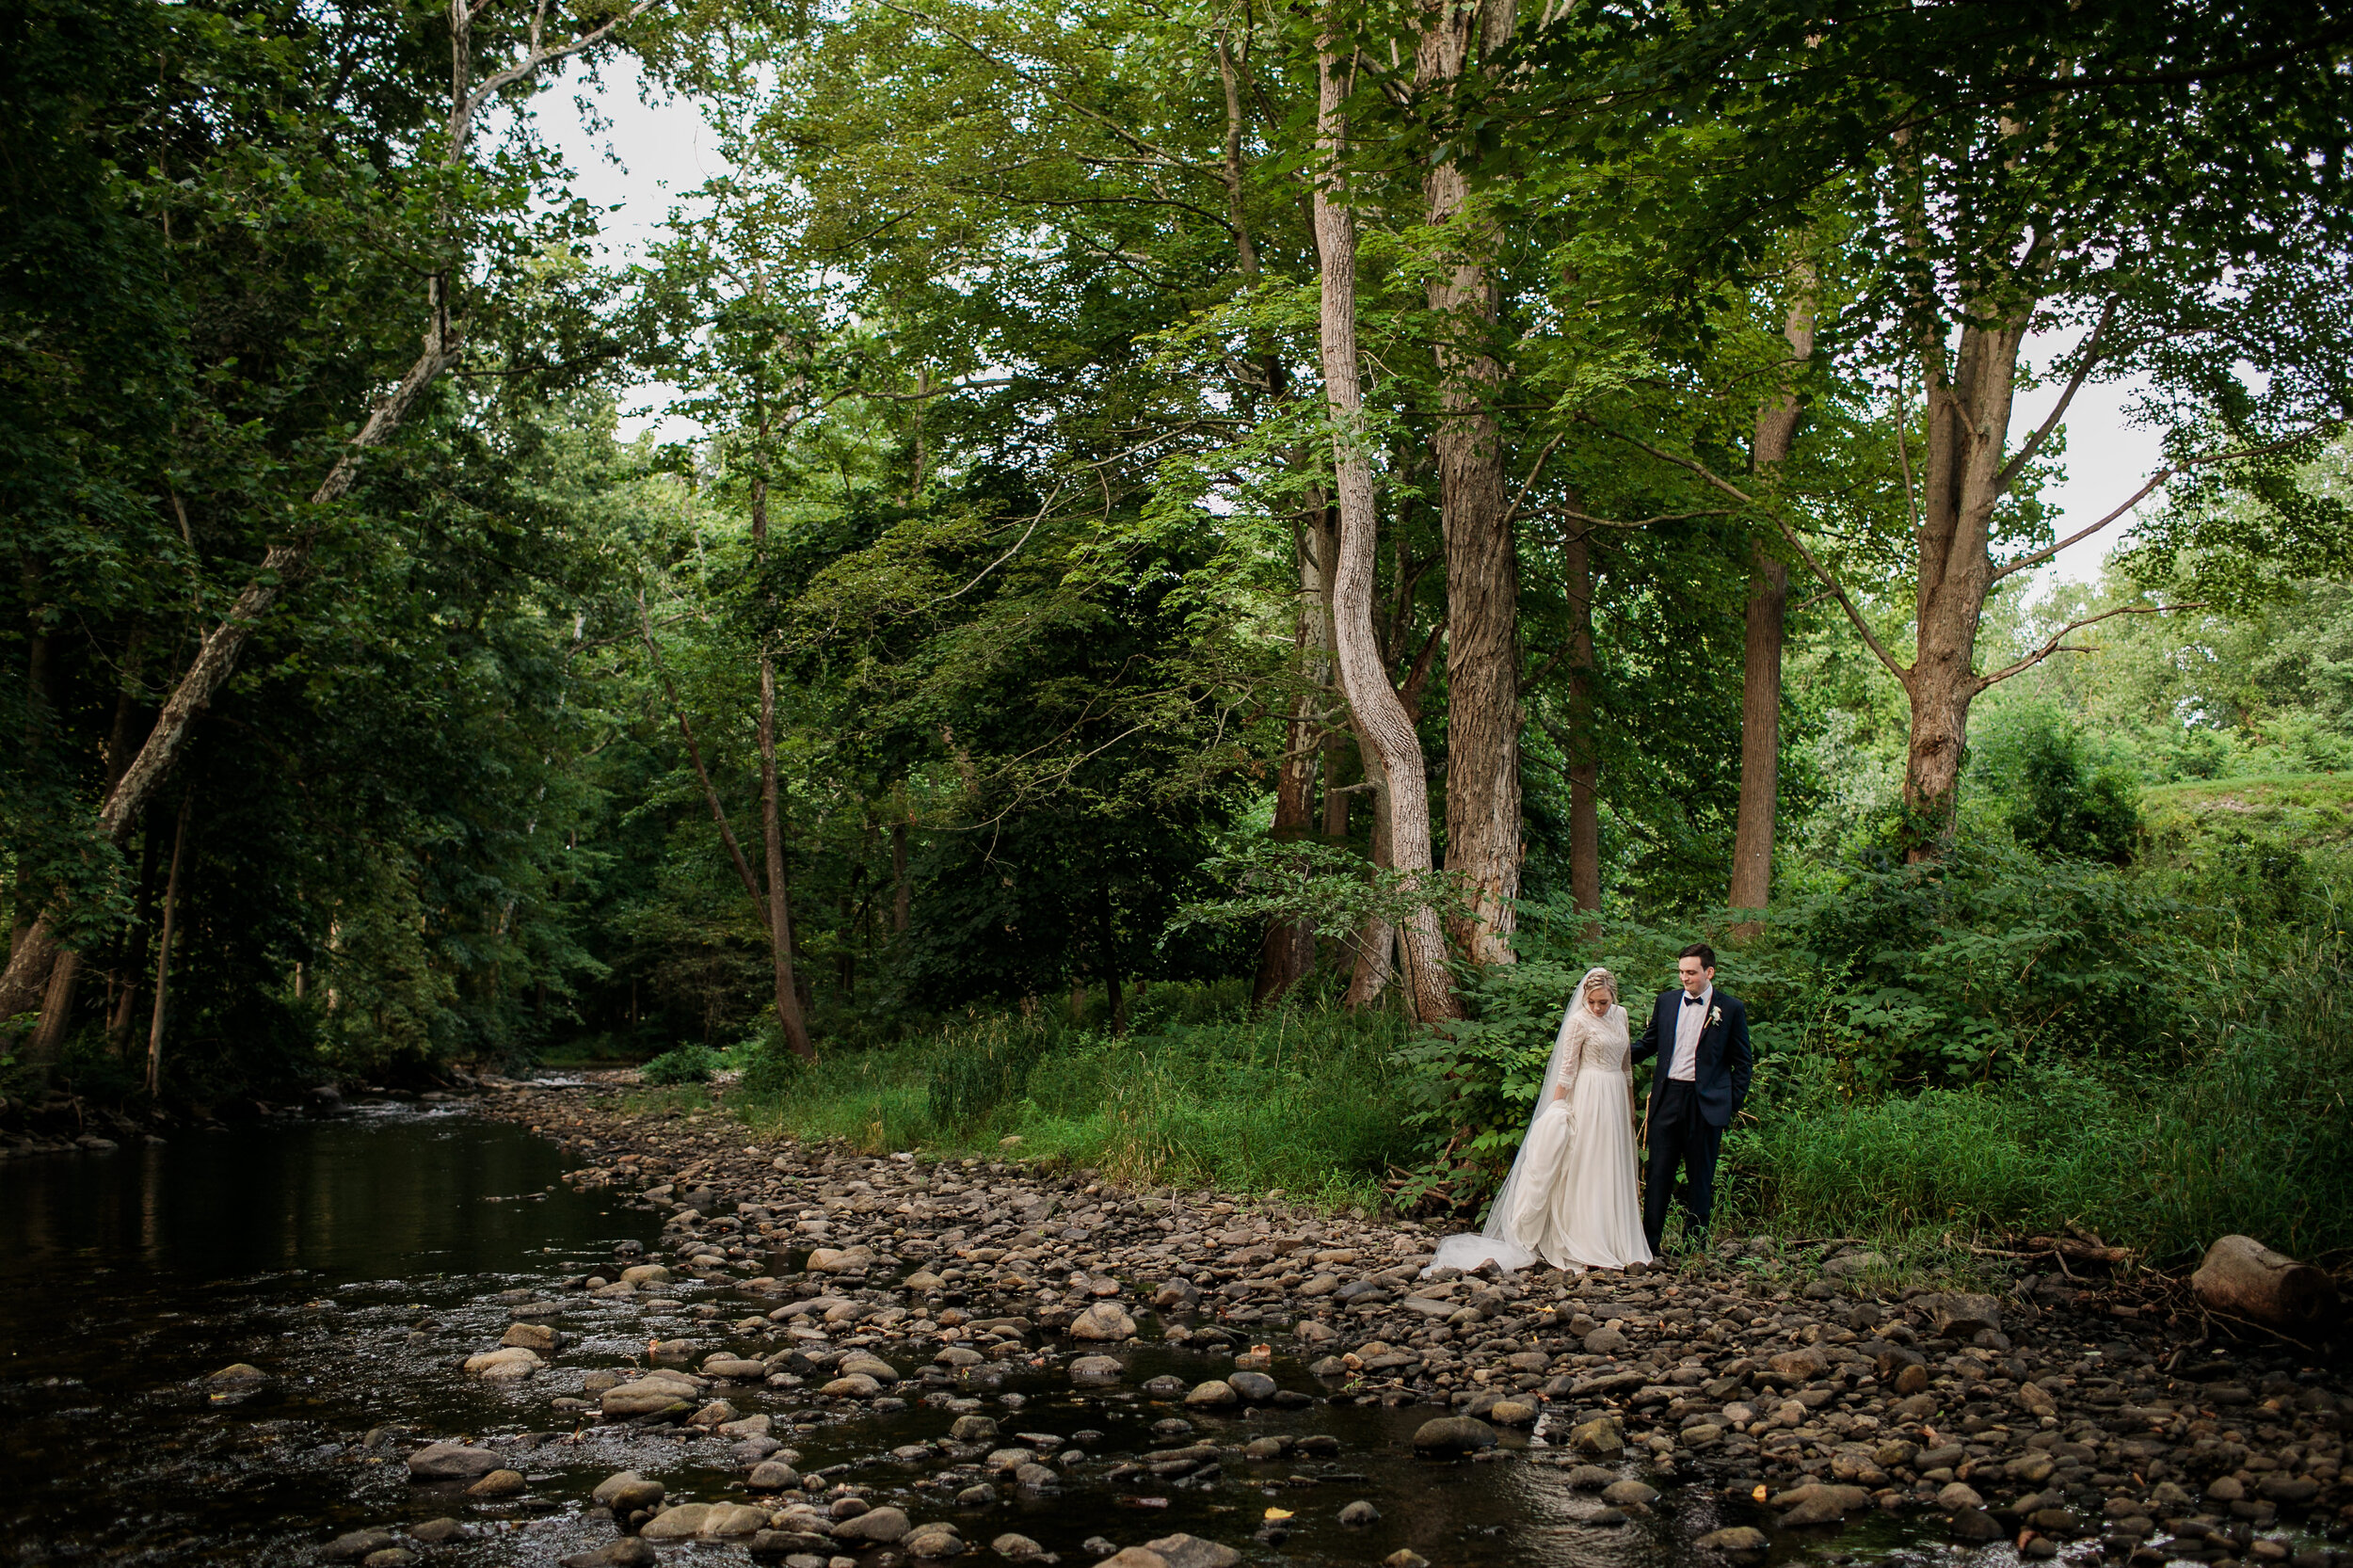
(1570, 1197)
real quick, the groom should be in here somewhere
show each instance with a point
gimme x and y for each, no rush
(1702, 1036)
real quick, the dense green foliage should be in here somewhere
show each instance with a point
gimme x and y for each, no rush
(995, 546)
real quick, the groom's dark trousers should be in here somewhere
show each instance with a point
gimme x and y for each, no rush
(1679, 1135)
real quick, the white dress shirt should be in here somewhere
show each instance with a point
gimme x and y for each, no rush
(1690, 1021)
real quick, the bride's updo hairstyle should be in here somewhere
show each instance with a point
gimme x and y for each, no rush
(1599, 978)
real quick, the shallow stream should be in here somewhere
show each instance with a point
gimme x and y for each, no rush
(357, 1260)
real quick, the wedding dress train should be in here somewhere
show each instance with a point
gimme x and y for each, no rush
(1570, 1198)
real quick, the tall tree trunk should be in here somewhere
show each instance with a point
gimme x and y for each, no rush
(163, 948)
(1401, 791)
(1766, 617)
(1288, 952)
(1107, 939)
(788, 1014)
(1576, 558)
(1337, 746)
(1961, 480)
(902, 891)
(1482, 771)
(142, 926)
(284, 563)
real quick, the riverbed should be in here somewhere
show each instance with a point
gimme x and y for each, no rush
(355, 1261)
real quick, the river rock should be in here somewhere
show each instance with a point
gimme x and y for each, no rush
(626, 1492)
(448, 1461)
(1512, 1412)
(358, 1543)
(1629, 1494)
(931, 1543)
(1600, 1437)
(648, 1395)
(735, 1369)
(1815, 1503)
(1360, 1513)
(773, 1475)
(499, 1483)
(628, 1552)
(1957, 1316)
(529, 1337)
(1212, 1395)
(1448, 1436)
(511, 1363)
(973, 1429)
(1254, 1387)
(1742, 1544)
(876, 1527)
(1604, 1341)
(390, 1556)
(727, 1520)
(1974, 1526)
(239, 1377)
(866, 1364)
(1104, 1320)
(1016, 1548)
(1191, 1551)
(857, 1385)
(642, 1275)
(436, 1532)
(682, 1523)
(838, 1260)
(1089, 1370)
(1957, 1494)
(671, 1353)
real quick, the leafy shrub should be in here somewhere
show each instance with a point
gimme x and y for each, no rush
(681, 1064)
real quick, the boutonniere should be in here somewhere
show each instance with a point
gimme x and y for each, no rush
(1715, 1017)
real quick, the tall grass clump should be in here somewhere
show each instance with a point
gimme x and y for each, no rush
(1200, 1092)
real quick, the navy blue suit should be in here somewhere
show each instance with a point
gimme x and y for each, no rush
(1687, 1120)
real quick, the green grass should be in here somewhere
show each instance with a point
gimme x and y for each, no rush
(1306, 1102)
(2309, 811)
(2255, 1136)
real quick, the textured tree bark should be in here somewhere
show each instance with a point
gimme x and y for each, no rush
(1961, 480)
(1107, 939)
(1576, 558)
(902, 891)
(1401, 793)
(163, 948)
(1765, 628)
(1482, 773)
(135, 965)
(1288, 952)
(779, 921)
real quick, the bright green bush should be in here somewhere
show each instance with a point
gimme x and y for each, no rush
(681, 1064)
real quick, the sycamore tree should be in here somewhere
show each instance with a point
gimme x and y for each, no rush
(2160, 185)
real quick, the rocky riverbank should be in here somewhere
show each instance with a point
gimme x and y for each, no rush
(1769, 1377)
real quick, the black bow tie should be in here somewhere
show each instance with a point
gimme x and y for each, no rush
(1690, 1001)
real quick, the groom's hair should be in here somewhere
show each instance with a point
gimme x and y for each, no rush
(1701, 951)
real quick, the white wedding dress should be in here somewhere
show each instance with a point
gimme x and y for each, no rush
(1570, 1198)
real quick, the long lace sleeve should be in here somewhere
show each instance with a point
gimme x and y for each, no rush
(1569, 1054)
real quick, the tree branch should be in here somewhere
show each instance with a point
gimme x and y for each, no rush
(2075, 383)
(2058, 643)
(1710, 476)
(2202, 460)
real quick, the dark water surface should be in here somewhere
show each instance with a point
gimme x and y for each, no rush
(358, 1260)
